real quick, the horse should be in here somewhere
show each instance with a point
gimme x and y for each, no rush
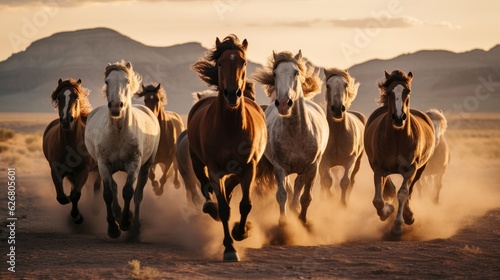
(63, 143)
(297, 128)
(227, 135)
(437, 165)
(122, 137)
(345, 144)
(171, 126)
(398, 140)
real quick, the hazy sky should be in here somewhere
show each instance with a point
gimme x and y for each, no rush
(330, 33)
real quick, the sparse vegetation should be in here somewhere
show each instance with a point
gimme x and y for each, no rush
(136, 272)
(6, 134)
(3, 148)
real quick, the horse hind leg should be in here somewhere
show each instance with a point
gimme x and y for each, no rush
(326, 181)
(241, 229)
(306, 198)
(175, 168)
(163, 179)
(438, 185)
(297, 190)
(384, 209)
(154, 183)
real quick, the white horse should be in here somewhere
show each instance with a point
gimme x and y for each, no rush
(122, 137)
(297, 128)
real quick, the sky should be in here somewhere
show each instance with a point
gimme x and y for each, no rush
(329, 33)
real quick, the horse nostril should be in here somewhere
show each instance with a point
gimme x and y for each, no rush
(403, 117)
(109, 104)
(290, 103)
(343, 108)
(238, 92)
(276, 102)
(121, 104)
(71, 119)
(332, 108)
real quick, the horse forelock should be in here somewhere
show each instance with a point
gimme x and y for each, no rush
(206, 68)
(352, 85)
(75, 87)
(397, 77)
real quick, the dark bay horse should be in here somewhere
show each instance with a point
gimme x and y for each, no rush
(171, 126)
(227, 135)
(398, 140)
(64, 143)
(345, 145)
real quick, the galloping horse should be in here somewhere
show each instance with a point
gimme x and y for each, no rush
(297, 128)
(398, 140)
(345, 144)
(171, 127)
(122, 137)
(63, 143)
(227, 135)
(437, 165)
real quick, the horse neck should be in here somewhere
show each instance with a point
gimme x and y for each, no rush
(298, 117)
(341, 125)
(124, 122)
(232, 118)
(160, 112)
(76, 133)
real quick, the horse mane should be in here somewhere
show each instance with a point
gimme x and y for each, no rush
(134, 78)
(206, 68)
(395, 76)
(309, 77)
(161, 93)
(438, 115)
(352, 85)
(83, 94)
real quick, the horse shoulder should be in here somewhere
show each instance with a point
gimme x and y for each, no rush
(358, 115)
(375, 114)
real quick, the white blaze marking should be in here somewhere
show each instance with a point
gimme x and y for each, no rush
(398, 94)
(66, 102)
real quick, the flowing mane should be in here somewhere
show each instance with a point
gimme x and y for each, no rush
(134, 78)
(352, 86)
(206, 68)
(395, 76)
(309, 78)
(437, 115)
(161, 93)
(76, 87)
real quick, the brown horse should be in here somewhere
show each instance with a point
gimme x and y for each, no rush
(171, 126)
(345, 144)
(227, 134)
(64, 143)
(398, 140)
(437, 165)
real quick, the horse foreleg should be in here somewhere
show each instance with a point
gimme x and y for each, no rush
(163, 179)
(240, 230)
(75, 195)
(57, 178)
(138, 195)
(297, 190)
(306, 198)
(209, 206)
(384, 210)
(154, 183)
(345, 182)
(175, 167)
(438, 184)
(113, 230)
(230, 254)
(281, 193)
(128, 192)
(352, 177)
(117, 210)
(326, 180)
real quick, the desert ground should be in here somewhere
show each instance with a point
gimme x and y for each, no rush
(458, 238)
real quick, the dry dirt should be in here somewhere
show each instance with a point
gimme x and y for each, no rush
(458, 238)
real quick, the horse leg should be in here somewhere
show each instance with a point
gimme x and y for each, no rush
(230, 254)
(297, 190)
(209, 206)
(326, 180)
(281, 193)
(94, 174)
(306, 198)
(355, 170)
(191, 186)
(438, 182)
(240, 230)
(57, 178)
(154, 183)
(345, 182)
(163, 178)
(113, 230)
(403, 199)
(117, 210)
(389, 189)
(384, 210)
(407, 213)
(138, 195)
(175, 167)
(128, 192)
(75, 195)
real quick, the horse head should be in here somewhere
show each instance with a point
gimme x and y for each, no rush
(154, 97)
(231, 69)
(341, 89)
(121, 82)
(288, 77)
(65, 97)
(395, 93)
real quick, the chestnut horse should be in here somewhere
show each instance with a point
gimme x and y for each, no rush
(345, 144)
(64, 146)
(398, 140)
(171, 126)
(227, 135)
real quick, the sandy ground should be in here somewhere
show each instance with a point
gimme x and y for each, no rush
(458, 238)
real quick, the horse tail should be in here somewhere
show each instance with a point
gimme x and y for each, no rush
(265, 180)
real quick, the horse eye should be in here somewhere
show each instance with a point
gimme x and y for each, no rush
(327, 86)
(296, 73)
(106, 82)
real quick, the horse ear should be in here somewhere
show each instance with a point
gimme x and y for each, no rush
(109, 63)
(217, 42)
(387, 75)
(346, 70)
(158, 87)
(128, 65)
(298, 56)
(410, 74)
(274, 55)
(79, 81)
(59, 82)
(143, 87)
(245, 44)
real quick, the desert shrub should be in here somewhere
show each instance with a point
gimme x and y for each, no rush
(33, 143)
(6, 134)
(3, 148)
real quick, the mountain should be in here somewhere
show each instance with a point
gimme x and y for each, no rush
(27, 78)
(454, 82)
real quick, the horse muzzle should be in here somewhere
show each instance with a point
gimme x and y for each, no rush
(338, 111)
(284, 106)
(398, 121)
(232, 97)
(115, 108)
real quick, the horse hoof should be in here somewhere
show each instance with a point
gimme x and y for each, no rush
(78, 219)
(211, 208)
(408, 218)
(237, 234)
(158, 191)
(397, 232)
(231, 256)
(114, 232)
(385, 212)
